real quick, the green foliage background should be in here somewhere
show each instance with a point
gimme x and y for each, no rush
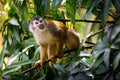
(20, 50)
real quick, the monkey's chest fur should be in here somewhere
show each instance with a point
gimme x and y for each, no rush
(48, 37)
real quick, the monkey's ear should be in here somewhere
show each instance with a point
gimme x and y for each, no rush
(31, 26)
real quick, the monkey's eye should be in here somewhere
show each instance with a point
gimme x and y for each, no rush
(36, 22)
(41, 21)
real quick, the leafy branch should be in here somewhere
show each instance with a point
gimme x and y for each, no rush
(65, 52)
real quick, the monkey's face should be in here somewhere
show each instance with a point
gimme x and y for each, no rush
(38, 23)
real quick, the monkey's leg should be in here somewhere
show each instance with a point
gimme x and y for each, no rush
(43, 54)
(60, 49)
(51, 54)
(72, 41)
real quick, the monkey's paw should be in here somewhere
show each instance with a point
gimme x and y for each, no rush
(52, 58)
(60, 55)
(38, 64)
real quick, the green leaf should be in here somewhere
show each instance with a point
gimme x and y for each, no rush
(94, 3)
(116, 4)
(59, 68)
(19, 76)
(97, 53)
(26, 48)
(70, 8)
(118, 39)
(81, 76)
(79, 1)
(45, 6)
(14, 21)
(101, 69)
(105, 41)
(38, 4)
(97, 63)
(115, 46)
(115, 31)
(76, 70)
(24, 25)
(13, 57)
(85, 54)
(2, 55)
(16, 34)
(9, 70)
(116, 61)
(106, 57)
(84, 62)
(56, 3)
(28, 42)
(105, 12)
(10, 39)
(36, 55)
(21, 63)
(101, 45)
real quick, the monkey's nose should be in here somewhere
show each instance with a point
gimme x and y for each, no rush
(41, 26)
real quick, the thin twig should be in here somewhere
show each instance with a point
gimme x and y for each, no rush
(81, 20)
(90, 21)
(95, 33)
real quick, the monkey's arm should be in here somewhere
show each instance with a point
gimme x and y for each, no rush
(43, 54)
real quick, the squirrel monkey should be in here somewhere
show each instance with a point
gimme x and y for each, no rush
(51, 35)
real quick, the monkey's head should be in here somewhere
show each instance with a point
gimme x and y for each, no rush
(37, 23)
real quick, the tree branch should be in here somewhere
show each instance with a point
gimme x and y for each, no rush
(90, 21)
(66, 51)
(95, 33)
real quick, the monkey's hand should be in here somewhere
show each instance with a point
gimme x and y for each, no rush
(52, 60)
(38, 64)
(60, 55)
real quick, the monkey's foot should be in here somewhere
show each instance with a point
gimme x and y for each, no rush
(38, 64)
(52, 58)
(60, 55)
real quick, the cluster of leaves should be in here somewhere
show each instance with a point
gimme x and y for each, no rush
(107, 55)
(21, 51)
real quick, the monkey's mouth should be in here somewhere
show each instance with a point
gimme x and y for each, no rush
(41, 26)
